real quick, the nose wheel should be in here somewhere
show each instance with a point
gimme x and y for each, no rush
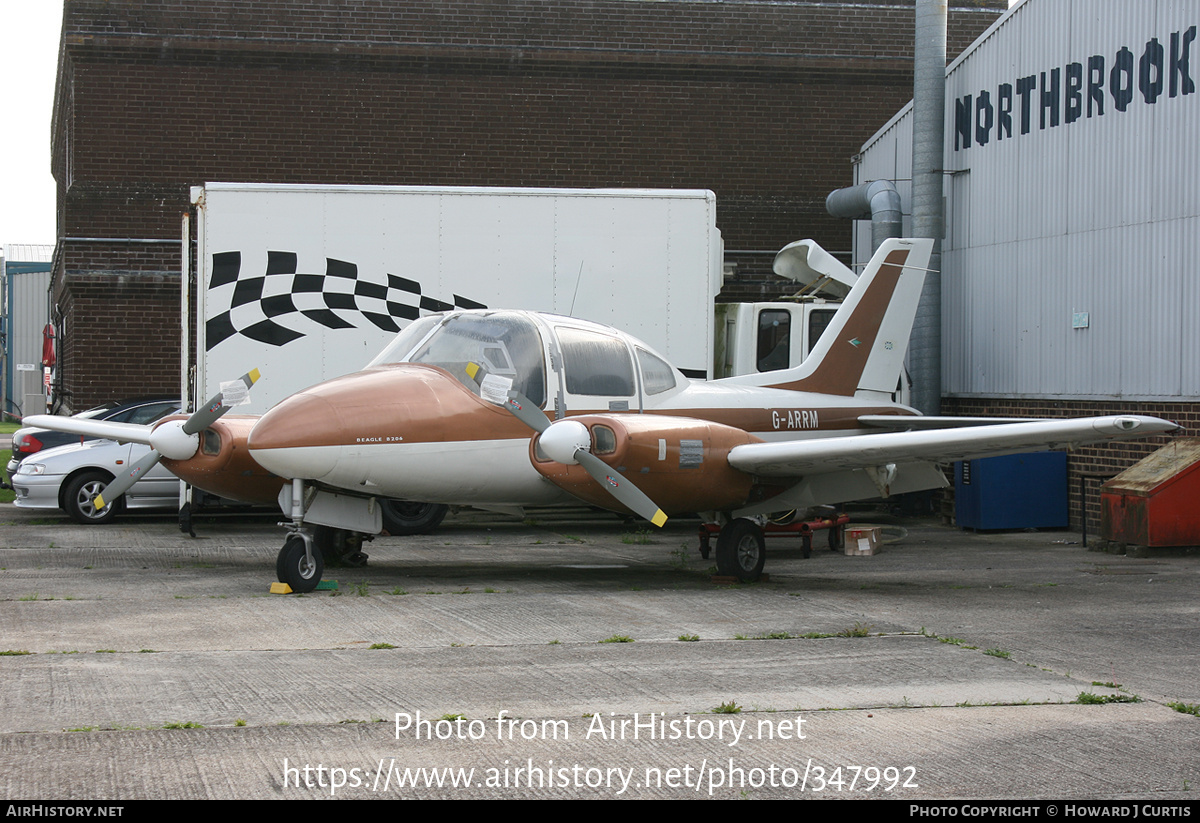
(299, 564)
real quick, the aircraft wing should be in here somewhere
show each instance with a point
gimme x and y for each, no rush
(796, 458)
(906, 422)
(109, 430)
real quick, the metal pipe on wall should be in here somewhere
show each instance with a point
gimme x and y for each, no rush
(929, 113)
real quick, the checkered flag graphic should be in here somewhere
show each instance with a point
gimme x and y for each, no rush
(271, 307)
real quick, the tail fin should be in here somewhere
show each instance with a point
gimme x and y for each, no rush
(863, 347)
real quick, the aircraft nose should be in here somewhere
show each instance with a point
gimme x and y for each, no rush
(298, 438)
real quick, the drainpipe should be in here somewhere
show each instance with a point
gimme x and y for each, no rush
(878, 200)
(929, 113)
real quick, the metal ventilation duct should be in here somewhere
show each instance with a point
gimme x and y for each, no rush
(878, 200)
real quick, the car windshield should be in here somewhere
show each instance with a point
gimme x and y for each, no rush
(489, 354)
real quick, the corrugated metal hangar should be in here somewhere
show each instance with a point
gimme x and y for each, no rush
(1071, 281)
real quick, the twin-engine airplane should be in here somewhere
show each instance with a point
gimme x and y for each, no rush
(505, 409)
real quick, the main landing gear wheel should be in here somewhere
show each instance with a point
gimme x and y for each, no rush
(294, 568)
(741, 550)
(402, 517)
(339, 548)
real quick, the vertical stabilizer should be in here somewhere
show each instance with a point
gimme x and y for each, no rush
(863, 347)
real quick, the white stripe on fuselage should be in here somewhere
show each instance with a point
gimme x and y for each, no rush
(494, 472)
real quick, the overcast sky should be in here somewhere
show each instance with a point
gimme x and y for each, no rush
(29, 32)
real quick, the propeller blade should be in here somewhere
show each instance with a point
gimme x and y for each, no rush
(122, 482)
(621, 488)
(527, 412)
(229, 396)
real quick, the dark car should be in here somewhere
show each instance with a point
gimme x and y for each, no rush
(142, 410)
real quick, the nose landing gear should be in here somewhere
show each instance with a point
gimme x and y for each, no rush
(300, 564)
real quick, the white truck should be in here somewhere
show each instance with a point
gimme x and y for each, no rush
(307, 283)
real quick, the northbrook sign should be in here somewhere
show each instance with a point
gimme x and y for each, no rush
(1088, 91)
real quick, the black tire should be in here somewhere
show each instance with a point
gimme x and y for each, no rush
(77, 499)
(401, 517)
(292, 566)
(741, 550)
(331, 543)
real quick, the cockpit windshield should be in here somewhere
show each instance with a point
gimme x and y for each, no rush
(487, 353)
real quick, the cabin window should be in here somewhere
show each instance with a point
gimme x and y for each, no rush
(595, 364)
(657, 374)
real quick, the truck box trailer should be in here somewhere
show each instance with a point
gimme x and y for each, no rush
(308, 282)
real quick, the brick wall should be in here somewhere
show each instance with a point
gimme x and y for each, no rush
(764, 103)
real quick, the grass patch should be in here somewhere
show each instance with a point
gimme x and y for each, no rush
(617, 638)
(727, 708)
(999, 653)
(641, 537)
(857, 630)
(188, 725)
(13, 652)
(1186, 708)
(688, 638)
(1089, 699)
(381, 646)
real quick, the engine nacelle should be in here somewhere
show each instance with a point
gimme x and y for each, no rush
(678, 462)
(223, 465)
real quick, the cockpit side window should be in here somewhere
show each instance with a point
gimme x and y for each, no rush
(657, 375)
(501, 346)
(595, 364)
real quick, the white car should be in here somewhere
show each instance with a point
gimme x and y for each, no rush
(67, 477)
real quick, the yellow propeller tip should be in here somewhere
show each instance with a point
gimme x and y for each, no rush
(98, 501)
(659, 518)
(254, 375)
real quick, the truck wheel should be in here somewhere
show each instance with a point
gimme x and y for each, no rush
(77, 499)
(402, 517)
(741, 550)
(292, 565)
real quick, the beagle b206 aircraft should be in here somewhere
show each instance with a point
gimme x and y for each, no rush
(504, 409)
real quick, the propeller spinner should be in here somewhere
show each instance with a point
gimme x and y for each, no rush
(179, 439)
(569, 442)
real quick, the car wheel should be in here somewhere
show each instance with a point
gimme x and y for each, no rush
(401, 517)
(77, 499)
